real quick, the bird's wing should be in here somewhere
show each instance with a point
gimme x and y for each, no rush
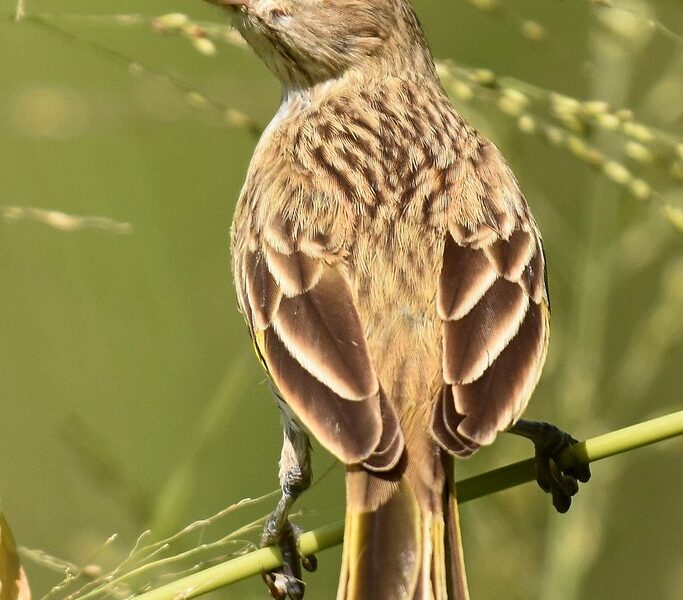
(307, 329)
(493, 300)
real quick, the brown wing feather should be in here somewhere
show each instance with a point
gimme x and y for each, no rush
(322, 330)
(309, 334)
(390, 447)
(509, 257)
(493, 300)
(295, 273)
(349, 430)
(506, 386)
(445, 421)
(472, 343)
(242, 297)
(533, 277)
(263, 292)
(465, 277)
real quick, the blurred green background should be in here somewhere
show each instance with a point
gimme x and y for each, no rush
(129, 395)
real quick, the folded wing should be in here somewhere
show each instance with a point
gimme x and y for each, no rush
(493, 302)
(307, 330)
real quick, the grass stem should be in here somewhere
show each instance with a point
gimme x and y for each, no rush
(327, 536)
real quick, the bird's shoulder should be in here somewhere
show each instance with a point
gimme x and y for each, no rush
(393, 147)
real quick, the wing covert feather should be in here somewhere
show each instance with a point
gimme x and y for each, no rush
(263, 293)
(445, 421)
(510, 257)
(465, 277)
(295, 273)
(390, 447)
(322, 330)
(472, 343)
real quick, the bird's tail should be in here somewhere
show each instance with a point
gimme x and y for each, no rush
(402, 533)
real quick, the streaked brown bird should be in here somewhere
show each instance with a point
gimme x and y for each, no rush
(393, 281)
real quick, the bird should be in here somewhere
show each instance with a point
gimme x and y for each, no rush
(393, 281)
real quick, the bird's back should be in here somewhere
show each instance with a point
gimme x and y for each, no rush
(367, 173)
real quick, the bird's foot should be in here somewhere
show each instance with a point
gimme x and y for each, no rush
(561, 484)
(549, 442)
(286, 581)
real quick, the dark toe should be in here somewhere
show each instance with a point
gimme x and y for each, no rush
(543, 477)
(310, 563)
(561, 502)
(276, 584)
(566, 483)
(582, 473)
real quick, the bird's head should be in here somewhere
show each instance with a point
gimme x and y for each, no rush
(305, 42)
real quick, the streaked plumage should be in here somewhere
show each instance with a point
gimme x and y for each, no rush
(392, 278)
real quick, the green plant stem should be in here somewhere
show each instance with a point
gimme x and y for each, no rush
(604, 446)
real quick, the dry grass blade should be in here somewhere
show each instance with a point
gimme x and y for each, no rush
(147, 564)
(20, 11)
(63, 221)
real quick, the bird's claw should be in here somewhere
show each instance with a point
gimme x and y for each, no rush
(281, 585)
(310, 563)
(560, 483)
(286, 581)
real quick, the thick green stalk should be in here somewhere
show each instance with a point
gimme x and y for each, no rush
(597, 448)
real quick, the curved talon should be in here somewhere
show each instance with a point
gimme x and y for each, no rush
(560, 484)
(310, 563)
(281, 585)
(295, 588)
(286, 581)
(561, 502)
(275, 583)
(581, 472)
